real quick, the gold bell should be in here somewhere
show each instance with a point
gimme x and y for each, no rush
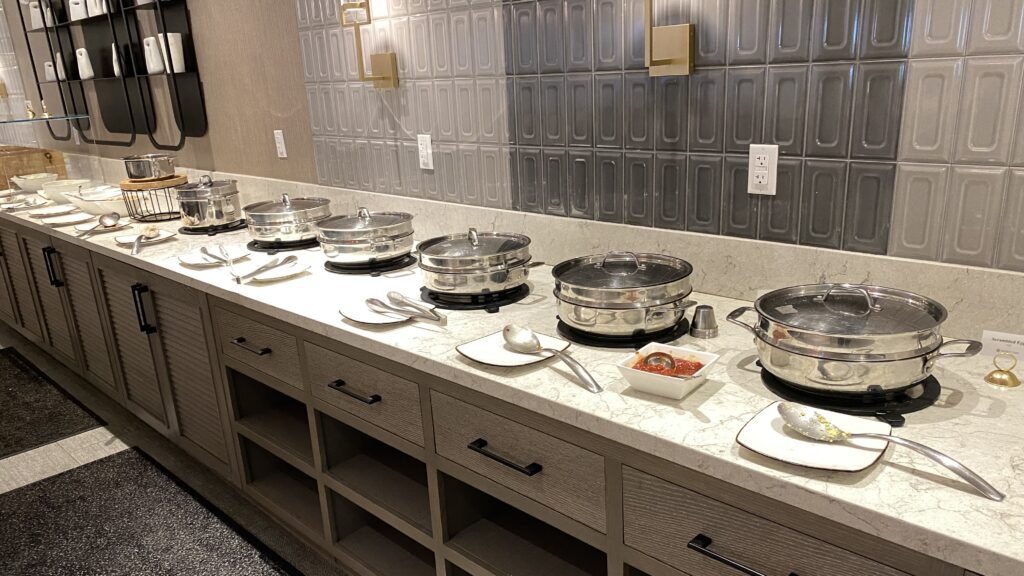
(1003, 377)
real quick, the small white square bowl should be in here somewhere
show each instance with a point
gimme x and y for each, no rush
(668, 386)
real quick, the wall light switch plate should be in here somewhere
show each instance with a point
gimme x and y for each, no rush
(426, 150)
(282, 151)
(763, 169)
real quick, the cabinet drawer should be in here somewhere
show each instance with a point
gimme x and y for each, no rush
(379, 397)
(661, 519)
(260, 346)
(570, 480)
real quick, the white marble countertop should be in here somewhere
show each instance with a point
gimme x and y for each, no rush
(905, 499)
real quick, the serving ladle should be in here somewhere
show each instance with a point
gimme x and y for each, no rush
(106, 221)
(523, 340)
(812, 424)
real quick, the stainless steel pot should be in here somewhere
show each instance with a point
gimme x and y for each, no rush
(849, 338)
(622, 293)
(209, 203)
(149, 166)
(475, 262)
(366, 237)
(287, 219)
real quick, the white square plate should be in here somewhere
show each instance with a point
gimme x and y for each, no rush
(492, 350)
(67, 219)
(55, 210)
(237, 252)
(767, 434)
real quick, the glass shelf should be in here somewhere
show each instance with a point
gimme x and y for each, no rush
(41, 119)
(107, 78)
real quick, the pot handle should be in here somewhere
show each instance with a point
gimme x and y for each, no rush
(474, 238)
(363, 214)
(973, 348)
(736, 314)
(872, 306)
(636, 261)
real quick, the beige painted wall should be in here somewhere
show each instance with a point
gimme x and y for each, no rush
(250, 66)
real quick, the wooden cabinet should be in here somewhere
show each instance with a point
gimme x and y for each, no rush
(8, 305)
(50, 289)
(21, 292)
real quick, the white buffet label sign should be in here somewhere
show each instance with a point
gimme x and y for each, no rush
(995, 342)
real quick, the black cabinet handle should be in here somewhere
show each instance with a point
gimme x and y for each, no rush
(241, 342)
(480, 447)
(140, 308)
(51, 268)
(702, 544)
(339, 385)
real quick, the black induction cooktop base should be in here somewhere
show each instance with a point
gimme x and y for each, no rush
(373, 270)
(635, 341)
(492, 302)
(213, 230)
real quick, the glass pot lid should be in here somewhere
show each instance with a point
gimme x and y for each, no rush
(366, 225)
(474, 250)
(288, 210)
(627, 270)
(207, 188)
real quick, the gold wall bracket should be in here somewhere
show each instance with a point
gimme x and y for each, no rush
(668, 50)
(385, 65)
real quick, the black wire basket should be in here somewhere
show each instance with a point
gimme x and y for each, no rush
(152, 205)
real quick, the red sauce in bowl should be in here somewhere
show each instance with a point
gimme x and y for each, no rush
(684, 368)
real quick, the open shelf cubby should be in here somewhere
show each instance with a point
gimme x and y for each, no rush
(505, 540)
(384, 475)
(374, 544)
(288, 489)
(271, 416)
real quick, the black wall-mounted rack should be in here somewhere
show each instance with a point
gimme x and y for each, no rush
(125, 101)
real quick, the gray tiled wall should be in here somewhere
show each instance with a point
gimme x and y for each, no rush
(544, 106)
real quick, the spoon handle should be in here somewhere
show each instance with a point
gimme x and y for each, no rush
(137, 245)
(89, 231)
(588, 381)
(955, 467)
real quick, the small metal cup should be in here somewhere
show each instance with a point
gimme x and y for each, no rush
(704, 324)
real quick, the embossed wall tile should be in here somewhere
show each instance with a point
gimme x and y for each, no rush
(344, 109)
(878, 98)
(524, 32)
(829, 100)
(987, 109)
(779, 219)
(929, 116)
(744, 99)
(633, 34)
(670, 191)
(493, 178)
(638, 188)
(834, 29)
(336, 54)
(487, 42)
(417, 6)
(786, 108)
(462, 47)
(552, 106)
(886, 28)
(704, 193)
(940, 28)
(302, 14)
(551, 36)
(422, 61)
(328, 109)
(378, 172)
(470, 183)
(320, 153)
(638, 129)
(1010, 251)
(748, 32)
(707, 110)
(973, 215)
(398, 7)
(671, 12)
(511, 110)
(374, 112)
(409, 163)
(579, 36)
(308, 56)
(466, 120)
(711, 18)
(430, 181)
(822, 203)
(608, 110)
(869, 202)
(918, 211)
(316, 13)
(364, 166)
(396, 184)
(608, 178)
(579, 90)
(671, 99)
(400, 36)
(315, 113)
(489, 106)
(321, 56)
(349, 172)
(996, 27)
(377, 9)
(423, 92)
(554, 175)
(529, 179)
(739, 208)
(514, 185)
(607, 34)
(445, 128)
(446, 166)
(440, 40)
(528, 111)
(582, 187)
(789, 31)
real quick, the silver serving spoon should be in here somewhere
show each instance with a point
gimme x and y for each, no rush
(106, 221)
(380, 307)
(275, 263)
(147, 233)
(523, 340)
(814, 425)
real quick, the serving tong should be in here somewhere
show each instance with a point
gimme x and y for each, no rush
(402, 306)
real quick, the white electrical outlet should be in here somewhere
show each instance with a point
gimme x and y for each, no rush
(763, 169)
(282, 151)
(426, 152)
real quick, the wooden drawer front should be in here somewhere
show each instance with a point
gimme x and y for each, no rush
(260, 346)
(376, 396)
(571, 480)
(661, 518)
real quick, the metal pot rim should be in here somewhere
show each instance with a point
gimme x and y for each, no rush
(494, 261)
(848, 356)
(282, 213)
(597, 261)
(682, 295)
(359, 227)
